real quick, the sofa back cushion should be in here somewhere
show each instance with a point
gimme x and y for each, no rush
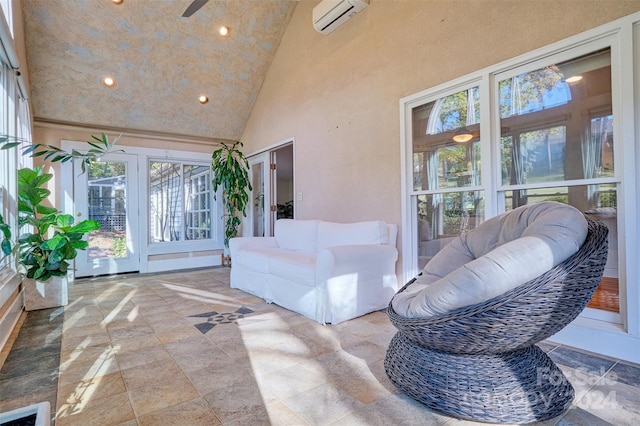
(332, 234)
(298, 235)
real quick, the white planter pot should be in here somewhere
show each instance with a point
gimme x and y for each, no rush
(42, 295)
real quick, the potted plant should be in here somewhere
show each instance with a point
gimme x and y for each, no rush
(54, 239)
(231, 172)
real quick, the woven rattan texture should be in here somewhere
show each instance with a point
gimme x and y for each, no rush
(525, 315)
(480, 362)
(520, 386)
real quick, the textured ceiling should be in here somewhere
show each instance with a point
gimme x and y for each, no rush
(161, 62)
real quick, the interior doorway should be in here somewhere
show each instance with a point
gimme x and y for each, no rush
(272, 179)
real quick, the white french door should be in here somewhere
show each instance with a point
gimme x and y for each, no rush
(271, 174)
(259, 212)
(108, 192)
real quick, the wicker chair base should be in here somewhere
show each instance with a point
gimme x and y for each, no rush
(521, 386)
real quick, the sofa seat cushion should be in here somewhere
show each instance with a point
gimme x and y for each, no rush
(345, 234)
(256, 260)
(298, 267)
(501, 254)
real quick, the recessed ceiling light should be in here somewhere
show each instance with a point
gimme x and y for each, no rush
(117, 1)
(224, 31)
(573, 78)
(108, 81)
(203, 99)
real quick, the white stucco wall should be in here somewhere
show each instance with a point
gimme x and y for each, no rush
(338, 94)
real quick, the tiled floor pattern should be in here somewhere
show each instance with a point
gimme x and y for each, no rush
(29, 374)
(185, 349)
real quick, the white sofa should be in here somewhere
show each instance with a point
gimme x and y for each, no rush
(329, 272)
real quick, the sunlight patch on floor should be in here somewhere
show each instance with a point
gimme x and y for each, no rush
(114, 312)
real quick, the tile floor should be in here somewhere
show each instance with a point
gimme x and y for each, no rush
(185, 349)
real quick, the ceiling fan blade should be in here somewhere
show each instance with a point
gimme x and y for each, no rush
(193, 7)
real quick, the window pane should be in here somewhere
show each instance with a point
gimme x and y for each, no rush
(583, 197)
(442, 217)
(257, 183)
(106, 202)
(446, 142)
(556, 122)
(598, 202)
(198, 210)
(165, 201)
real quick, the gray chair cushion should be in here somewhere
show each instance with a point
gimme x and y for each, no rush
(501, 254)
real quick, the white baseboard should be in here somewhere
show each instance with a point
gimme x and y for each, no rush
(9, 320)
(601, 338)
(184, 263)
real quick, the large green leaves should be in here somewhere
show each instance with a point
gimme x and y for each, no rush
(84, 227)
(231, 173)
(54, 243)
(99, 146)
(5, 241)
(5, 244)
(42, 256)
(31, 195)
(30, 191)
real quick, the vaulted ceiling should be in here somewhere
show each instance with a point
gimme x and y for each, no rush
(161, 62)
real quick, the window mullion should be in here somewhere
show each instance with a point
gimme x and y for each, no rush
(183, 224)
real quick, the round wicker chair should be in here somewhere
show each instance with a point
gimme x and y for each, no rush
(480, 362)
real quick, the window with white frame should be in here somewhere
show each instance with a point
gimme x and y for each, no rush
(446, 169)
(180, 201)
(15, 122)
(557, 143)
(550, 127)
(198, 190)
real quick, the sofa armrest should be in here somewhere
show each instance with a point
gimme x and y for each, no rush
(239, 243)
(355, 280)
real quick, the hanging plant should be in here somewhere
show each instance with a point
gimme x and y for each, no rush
(231, 172)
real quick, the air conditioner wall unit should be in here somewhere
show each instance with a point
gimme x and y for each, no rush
(330, 14)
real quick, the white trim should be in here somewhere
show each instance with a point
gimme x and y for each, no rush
(630, 185)
(409, 245)
(599, 337)
(6, 43)
(247, 222)
(602, 315)
(10, 282)
(560, 184)
(180, 263)
(272, 147)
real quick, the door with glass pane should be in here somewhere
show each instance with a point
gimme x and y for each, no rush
(259, 210)
(107, 192)
(282, 182)
(258, 168)
(271, 199)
